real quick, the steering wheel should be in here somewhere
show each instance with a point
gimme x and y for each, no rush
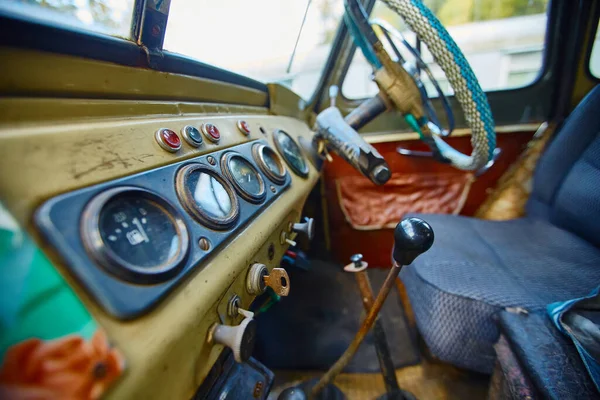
(401, 88)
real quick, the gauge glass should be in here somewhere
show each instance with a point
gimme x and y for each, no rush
(209, 194)
(138, 231)
(246, 176)
(269, 163)
(272, 163)
(291, 152)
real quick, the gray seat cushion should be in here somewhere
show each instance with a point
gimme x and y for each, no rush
(477, 268)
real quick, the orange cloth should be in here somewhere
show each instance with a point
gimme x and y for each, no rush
(370, 207)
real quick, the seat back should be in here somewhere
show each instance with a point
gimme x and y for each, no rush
(566, 183)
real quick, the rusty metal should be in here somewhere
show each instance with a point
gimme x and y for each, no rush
(279, 281)
(366, 326)
(381, 345)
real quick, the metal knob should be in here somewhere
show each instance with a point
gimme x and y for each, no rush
(356, 259)
(307, 227)
(333, 94)
(240, 339)
(412, 237)
(356, 264)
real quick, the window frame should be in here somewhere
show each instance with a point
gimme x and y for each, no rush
(541, 72)
(542, 99)
(144, 50)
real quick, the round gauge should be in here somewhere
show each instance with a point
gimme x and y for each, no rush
(135, 234)
(244, 176)
(269, 163)
(207, 196)
(291, 152)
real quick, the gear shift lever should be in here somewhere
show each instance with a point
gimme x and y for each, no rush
(412, 237)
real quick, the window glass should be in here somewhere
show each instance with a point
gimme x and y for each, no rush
(111, 17)
(257, 38)
(502, 40)
(595, 56)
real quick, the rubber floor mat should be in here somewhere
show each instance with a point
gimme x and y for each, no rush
(312, 327)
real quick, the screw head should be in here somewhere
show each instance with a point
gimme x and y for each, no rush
(211, 160)
(356, 259)
(204, 244)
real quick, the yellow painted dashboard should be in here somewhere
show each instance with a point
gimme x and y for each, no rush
(50, 146)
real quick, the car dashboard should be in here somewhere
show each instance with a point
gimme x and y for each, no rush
(155, 221)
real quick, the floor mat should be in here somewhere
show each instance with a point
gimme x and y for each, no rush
(312, 327)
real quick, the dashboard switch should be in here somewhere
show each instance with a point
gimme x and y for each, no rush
(167, 140)
(307, 227)
(211, 132)
(240, 339)
(244, 127)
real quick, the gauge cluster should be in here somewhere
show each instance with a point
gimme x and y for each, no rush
(132, 240)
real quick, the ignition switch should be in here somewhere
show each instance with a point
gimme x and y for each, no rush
(259, 278)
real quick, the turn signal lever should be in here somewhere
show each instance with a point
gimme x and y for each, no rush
(340, 135)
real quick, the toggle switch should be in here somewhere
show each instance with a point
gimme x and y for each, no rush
(283, 239)
(240, 338)
(307, 227)
(259, 279)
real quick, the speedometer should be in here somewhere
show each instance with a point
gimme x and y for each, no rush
(244, 176)
(135, 234)
(291, 152)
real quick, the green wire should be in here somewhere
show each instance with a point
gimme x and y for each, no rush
(412, 122)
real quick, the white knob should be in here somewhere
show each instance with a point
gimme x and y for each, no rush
(240, 339)
(307, 227)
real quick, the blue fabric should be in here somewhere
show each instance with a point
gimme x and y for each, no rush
(557, 312)
(562, 155)
(477, 268)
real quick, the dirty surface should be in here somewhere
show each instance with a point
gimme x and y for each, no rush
(311, 328)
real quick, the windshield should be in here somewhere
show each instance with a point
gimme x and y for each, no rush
(257, 38)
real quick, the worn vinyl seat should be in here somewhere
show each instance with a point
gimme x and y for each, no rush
(477, 268)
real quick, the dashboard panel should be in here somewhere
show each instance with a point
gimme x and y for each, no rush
(139, 236)
(52, 171)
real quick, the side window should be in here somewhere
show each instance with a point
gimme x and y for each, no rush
(595, 56)
(502, 40)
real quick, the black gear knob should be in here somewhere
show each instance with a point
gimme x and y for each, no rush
(412, 237)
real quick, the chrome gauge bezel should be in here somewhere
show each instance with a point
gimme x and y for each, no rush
(297, 171)
(258, 152)
(251, 197)
(189, 203)
(112, 262)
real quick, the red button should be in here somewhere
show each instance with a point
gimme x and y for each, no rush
(244, 127)
(211, 132)
(168, 140)
(171, 138)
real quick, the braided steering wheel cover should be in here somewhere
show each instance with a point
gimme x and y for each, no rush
(462, 79)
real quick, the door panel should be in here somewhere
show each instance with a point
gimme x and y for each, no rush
(419, 184)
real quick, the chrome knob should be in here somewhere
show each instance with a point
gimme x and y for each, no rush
(307, 227)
